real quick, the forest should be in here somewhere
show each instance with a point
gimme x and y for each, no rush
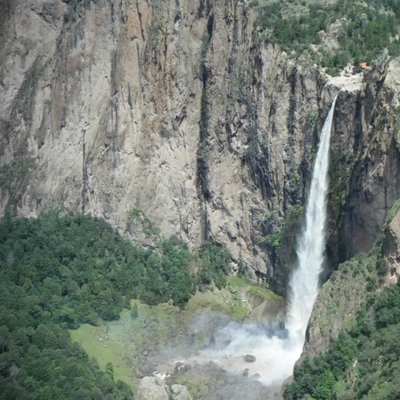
(364, 361)
(59, 271)
(299, 28)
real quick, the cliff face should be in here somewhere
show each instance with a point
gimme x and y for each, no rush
(364, 190)
(178, 110)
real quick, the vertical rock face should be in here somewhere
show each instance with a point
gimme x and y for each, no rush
(375, 180)
(176, 108)
(365, 185)
(365, 167)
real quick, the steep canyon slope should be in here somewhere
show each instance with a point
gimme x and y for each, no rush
(177, 109)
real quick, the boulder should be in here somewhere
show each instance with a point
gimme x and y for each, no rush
(150, 390)
(180, 392)
(249, 358)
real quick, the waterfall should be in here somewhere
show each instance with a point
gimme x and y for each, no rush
(276, 355)
(304, 282)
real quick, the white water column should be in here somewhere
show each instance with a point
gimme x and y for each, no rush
(275, 356)
(304, 282)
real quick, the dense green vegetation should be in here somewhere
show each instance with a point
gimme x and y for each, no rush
(364, 362)
(59, 271)
(274, 239)
(362, 29)
(213, 265)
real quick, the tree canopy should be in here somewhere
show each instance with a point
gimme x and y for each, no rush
(58, 271)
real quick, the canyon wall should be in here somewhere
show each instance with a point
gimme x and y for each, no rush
(364, 205)
(174, 117)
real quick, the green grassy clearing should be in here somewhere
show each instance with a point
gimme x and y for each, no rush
(142, 331)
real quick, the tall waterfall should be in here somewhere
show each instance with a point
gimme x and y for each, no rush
(275, 356)
(311, 245)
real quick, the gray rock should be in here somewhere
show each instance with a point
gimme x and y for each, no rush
(150, 390)
(180, 392)
(135, 115)
(249, 358)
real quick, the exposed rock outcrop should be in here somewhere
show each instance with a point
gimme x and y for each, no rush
(365, 171)
(392, 249)
(180, 392)
(180, 111)
(374, 184)
(176, 109)
(149, 389)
